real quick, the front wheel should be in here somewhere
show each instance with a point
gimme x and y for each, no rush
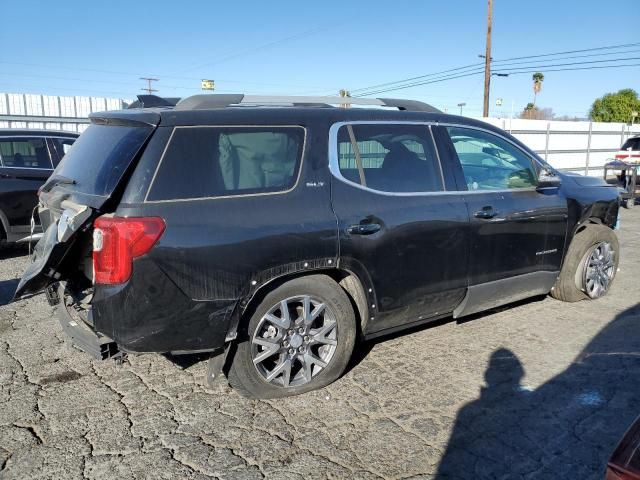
(590, 265)
(300, 338)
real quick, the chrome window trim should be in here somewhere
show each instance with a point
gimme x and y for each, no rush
(334, 162)
(279, 192)
(29, 168)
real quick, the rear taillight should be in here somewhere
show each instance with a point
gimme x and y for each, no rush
(117, 241)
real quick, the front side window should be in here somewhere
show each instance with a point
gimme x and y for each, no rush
(389, 157)
(490, 162)
(202, 162)
(25, 153)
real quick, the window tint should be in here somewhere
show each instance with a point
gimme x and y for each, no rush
(60, 147)
(392, 158)
(205, 162)
(491, 163)
(25, 153)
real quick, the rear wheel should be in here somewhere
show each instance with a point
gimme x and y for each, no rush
(590, 266)
(300, 338)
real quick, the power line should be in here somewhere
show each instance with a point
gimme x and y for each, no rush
(494, 62)
(418, 77)
(626, 45)
(239, 53)
(592, 67)
(416, 84)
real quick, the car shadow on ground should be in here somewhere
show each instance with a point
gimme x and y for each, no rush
(363, 348)
(566, 428)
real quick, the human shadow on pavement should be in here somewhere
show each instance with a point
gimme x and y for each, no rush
(7, 289)
(564, 429)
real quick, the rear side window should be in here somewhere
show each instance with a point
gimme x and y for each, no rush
(389, 158)
(203, 162)
(490, 162)
(25, 153)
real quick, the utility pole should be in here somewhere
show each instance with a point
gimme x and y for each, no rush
(487, 62)
(149, 89)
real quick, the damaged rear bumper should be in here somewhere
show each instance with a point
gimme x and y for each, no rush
(82, 336)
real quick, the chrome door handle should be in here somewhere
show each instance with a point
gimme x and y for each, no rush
(364, 229)
(486, 213)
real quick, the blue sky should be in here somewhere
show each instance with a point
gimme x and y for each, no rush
(73, 47)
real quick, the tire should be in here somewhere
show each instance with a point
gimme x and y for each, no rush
(329, 337)
(570, 285)
(629, 203)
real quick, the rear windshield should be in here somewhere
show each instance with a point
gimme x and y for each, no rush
(100, 156)
(632, 143)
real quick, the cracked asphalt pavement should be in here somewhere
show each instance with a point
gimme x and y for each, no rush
(539, 390)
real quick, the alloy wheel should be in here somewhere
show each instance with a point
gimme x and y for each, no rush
(294, 341)
(599, 269)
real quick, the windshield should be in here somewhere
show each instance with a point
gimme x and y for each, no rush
(98, 159)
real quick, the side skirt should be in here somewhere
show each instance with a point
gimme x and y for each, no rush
(501, 292)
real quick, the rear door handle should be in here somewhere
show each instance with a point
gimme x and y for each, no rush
(364, 229)
(486, 213)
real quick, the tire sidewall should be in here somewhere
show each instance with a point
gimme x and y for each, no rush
(321, 287)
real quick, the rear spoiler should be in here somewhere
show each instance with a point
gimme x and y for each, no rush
(150, 101)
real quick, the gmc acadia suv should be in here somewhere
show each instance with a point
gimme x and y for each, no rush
(274, 232)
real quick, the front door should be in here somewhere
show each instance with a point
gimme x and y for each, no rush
(399, 227)
(517, 230)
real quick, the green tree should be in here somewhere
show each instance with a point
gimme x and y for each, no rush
(537, 78)
(615, 107)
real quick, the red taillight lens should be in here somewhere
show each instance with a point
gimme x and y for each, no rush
(117, 241)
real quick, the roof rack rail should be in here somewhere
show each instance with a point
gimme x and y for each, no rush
(150, 101)
(209, 101)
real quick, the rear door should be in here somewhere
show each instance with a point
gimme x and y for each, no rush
(517, 230)
(92, 172)
(400, 225)
(24, 166)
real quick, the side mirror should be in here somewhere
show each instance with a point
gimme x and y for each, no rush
(548, 179)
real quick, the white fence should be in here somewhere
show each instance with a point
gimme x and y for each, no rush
(20, 110)
(582, 147)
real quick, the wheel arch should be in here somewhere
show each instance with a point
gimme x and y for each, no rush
(347, 280)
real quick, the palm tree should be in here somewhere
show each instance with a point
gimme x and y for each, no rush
(537, 78)
(528, 109)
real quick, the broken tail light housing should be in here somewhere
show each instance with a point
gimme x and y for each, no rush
(117, 241)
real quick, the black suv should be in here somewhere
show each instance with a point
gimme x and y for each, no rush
(275, 232)
(27, 158)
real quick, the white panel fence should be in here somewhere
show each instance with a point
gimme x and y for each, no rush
(19, 110)
(583, 147)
